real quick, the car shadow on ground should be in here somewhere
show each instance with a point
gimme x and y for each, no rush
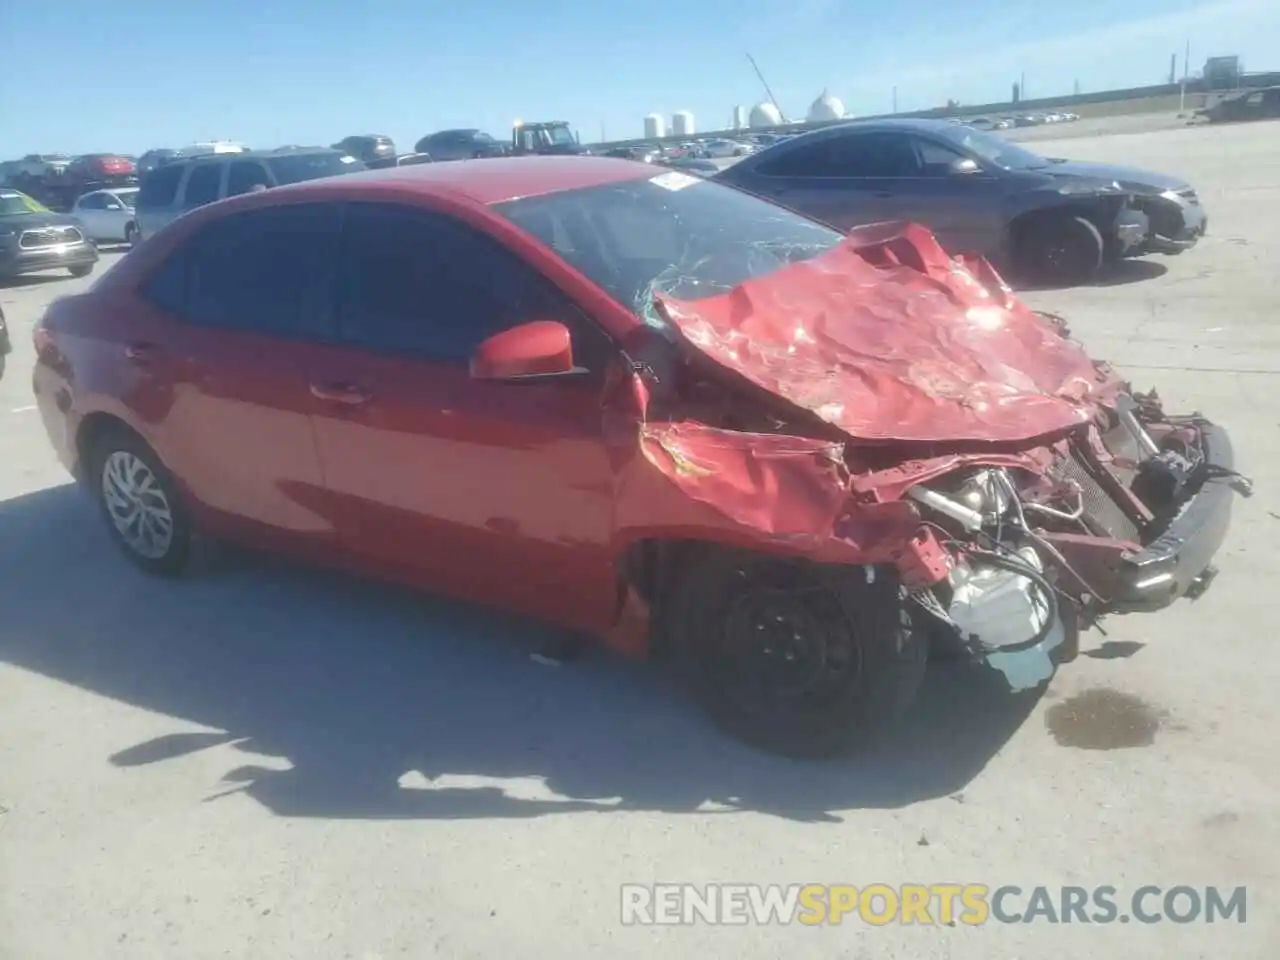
(387, 704)
(1116, 275)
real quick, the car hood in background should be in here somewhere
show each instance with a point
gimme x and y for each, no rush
(34, 221)
(1142, 181)
(887, 338)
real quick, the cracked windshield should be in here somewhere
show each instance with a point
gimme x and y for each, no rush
(664, 481)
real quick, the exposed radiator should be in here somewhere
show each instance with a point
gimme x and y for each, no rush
(1100, 510)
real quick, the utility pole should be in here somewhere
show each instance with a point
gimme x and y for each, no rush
(1022, 86)
(895, 99)
(1186, 71)
(1076, 88)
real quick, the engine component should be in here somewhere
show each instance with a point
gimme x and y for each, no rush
(967, 517)
(1010, 619)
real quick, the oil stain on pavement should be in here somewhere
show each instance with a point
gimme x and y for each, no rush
(1104, 719)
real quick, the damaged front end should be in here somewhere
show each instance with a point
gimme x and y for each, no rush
(935, 424)
(1125, 516)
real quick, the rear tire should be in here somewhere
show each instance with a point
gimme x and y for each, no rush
(794, 658)
(1060, 251)
(143, 508)
(81, 271)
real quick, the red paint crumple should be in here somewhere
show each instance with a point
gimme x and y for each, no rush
(886, 337)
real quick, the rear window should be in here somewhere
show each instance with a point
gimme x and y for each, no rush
(159, 188)
(298, 167)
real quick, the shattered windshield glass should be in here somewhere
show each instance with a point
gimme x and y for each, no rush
(673, 233)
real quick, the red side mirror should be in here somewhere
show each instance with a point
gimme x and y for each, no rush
(533, 349)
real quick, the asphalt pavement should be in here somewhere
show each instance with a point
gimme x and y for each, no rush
(273, 762)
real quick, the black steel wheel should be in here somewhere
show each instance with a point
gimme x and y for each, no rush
(1059, 251)
(795, 658)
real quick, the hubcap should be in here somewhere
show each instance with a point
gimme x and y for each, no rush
(139, 509)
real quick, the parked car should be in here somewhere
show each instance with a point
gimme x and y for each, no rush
(1262, 104)
(40, 165)
(174, 189)
(34, 238)
(156, 158)
(643, 153)
(94, 171)
(717, 149)
(6, 344)
(1041, 219)
(525, 386)
(468, 144)
(412, 159)
(108, 216)
(374, 149)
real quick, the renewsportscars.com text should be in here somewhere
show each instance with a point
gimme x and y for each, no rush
(881, 904)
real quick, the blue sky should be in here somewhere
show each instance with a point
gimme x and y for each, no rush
(82, 75)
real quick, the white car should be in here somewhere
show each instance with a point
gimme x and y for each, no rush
(725, 148)
(108, 215)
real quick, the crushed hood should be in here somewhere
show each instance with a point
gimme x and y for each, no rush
(887, 338)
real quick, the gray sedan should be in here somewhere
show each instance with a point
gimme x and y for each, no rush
(1041, 219)
(108, 215)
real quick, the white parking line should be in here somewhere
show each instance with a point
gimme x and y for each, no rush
(23, 409)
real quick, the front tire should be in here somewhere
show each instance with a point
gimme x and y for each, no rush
(1060, 251)
(141, 504)
(794, 658)
(131, 234)
(83, 270)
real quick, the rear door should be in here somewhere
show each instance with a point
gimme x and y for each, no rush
(501, 492)
(222, 355)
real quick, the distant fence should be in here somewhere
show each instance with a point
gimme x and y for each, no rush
(1194, 86)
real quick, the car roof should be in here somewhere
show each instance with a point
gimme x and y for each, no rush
(489, 181)
(256, 154)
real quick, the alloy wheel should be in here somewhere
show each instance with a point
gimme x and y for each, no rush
(137, 504)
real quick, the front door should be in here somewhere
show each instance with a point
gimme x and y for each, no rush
(499, 492)
(221, 356)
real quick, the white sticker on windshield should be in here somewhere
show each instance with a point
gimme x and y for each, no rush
(674, 180)
(348, 159)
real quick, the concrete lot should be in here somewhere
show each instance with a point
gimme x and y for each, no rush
(270, 762)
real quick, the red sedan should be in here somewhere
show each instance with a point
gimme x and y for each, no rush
(640, 405)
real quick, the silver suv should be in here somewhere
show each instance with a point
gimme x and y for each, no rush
(171, 190)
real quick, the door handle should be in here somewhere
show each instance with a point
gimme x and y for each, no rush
(350, 394)
(139, 352)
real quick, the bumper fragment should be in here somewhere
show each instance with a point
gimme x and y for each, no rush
(1179, 562)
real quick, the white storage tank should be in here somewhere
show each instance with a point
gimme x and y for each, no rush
(765, 115)
(655, 126)
(826, 107)
(682, 123)
(739, 118)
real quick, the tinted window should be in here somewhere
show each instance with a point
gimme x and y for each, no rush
(296, 167)
(851, 155)
(244, 175)
(94, 201)
(422, 284)
(203, 184)
(673, 233)
(264, 271)
(160, 187)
